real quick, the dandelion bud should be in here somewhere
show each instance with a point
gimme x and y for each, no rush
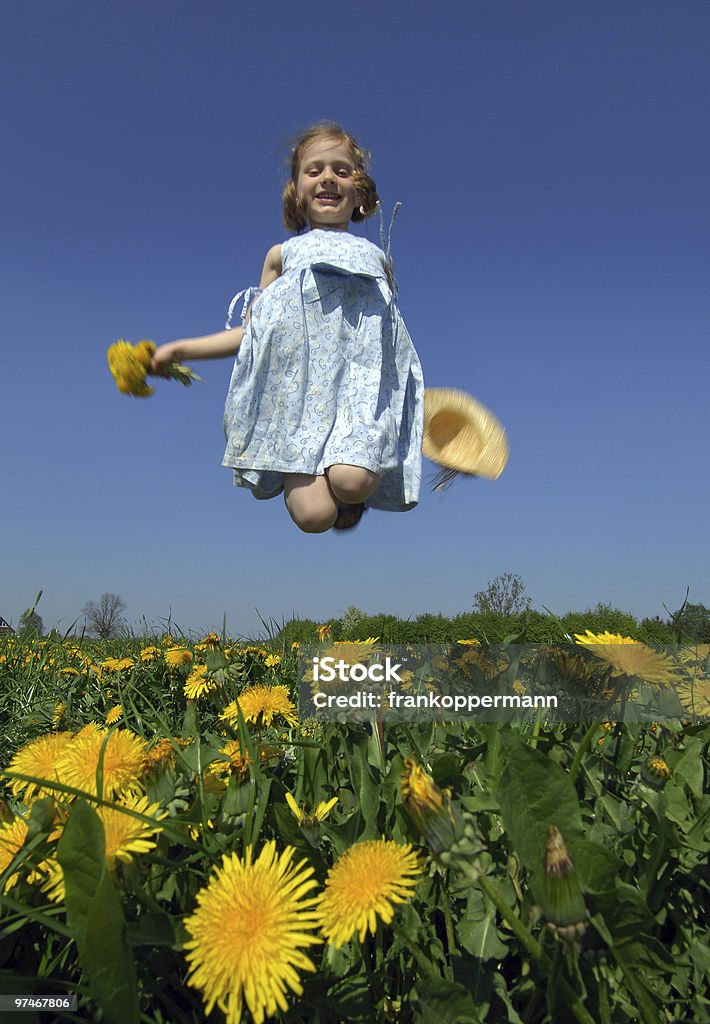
(451, 837)
(655, 772)
(562, 900)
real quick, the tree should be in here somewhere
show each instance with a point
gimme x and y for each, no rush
(694, 622)
(504, 594)
(30, 622)
(105, 618)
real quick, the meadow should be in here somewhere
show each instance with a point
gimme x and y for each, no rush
(178, 845)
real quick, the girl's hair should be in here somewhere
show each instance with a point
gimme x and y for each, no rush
(294, 217)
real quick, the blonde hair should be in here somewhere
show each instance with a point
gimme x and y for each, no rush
(294, 217)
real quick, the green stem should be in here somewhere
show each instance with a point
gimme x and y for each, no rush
(582, 749)
(511, 918)
(450, 934)
(536, 729)
(423, 963)
(533, 948)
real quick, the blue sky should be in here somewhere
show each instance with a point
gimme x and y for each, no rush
(552, 160)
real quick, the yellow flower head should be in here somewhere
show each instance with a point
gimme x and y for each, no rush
(260, 704)
(198, 683)
(123, 760)
(12, 838)
(248, 933)
(149, 654)
(324, 632)
(160, 755)
(627, 657)
(319, 814)
(177, 657)
(238, 763)
(144, 352)
(114, 714)
(39, 757)
(127, 835)
(363, 885)
(127, 369)
(58, 714)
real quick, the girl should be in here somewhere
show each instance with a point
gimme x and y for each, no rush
(325, 402)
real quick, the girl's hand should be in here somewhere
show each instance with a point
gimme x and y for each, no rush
(163, 354)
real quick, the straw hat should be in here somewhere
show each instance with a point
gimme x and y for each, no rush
(462, 436)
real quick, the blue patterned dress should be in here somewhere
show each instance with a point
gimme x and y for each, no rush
(327, 374)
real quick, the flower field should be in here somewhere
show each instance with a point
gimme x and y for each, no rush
(177, 846)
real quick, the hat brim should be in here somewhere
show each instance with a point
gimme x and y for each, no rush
(462, 435)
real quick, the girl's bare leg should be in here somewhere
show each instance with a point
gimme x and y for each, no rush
(310, 502)
(351, 484)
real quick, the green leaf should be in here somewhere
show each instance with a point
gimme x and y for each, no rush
(597, 867)
(479, 937)
(443, 1002)
(152, 929)
(689, 764)
(95, 916)
(533, 793)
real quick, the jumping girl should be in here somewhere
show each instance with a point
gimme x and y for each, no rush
(325, 403)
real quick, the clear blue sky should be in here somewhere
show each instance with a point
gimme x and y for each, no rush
(552, 159)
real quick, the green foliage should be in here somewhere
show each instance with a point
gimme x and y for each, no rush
(95, 917)
(693, 620)
(602, 618)
(30, 624)
(654, 631)
(472, 945)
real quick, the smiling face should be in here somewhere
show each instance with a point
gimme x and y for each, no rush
(325, 186)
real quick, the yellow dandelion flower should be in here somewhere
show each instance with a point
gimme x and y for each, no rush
(420, 793)
(260, 704)
(211, 641)
(238, 763)
(271, 660)
(144, 352)
(160, 755)
(127, 835)
(123, 760)
(363, 885)
(197, 683)
(248, 933)
(39, 757)
(59, 712)
(114, 714)
(319, 814)
(295, 645)
(149, 654)
(627, 657)
(117, 664)
(471, 642)
(69, 670)
(50, 877)
(127, 370)
(324, 632)
(694, 695)
(177, 657)
(12, 838)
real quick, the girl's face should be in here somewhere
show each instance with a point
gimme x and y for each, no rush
(325, 186)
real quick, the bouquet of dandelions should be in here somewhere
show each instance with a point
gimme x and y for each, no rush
(129, 365)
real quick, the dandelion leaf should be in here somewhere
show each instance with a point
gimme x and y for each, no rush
(95, 916)
(535, 792)
(443, 1002)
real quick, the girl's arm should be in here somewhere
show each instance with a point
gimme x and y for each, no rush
(223, 343)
